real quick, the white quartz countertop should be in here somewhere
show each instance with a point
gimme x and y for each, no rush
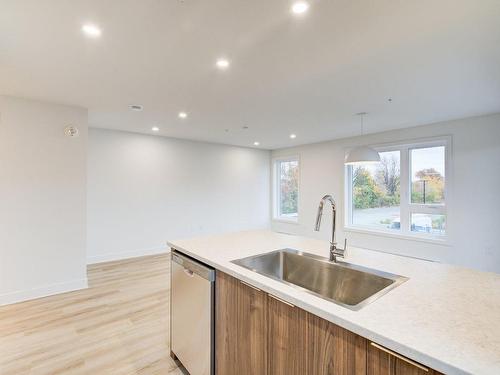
(445, 317)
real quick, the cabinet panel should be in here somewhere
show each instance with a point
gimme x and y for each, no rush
(226, 326)
(240, 328)
(381, 362)
(332, 350)
(286, 338)
(252, 333)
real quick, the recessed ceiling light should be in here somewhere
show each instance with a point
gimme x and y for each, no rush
(136, 107)
(293, 136)
(256, 143)
(91, 30)
(183, 115)
(155, 129)
(222, 63)
(300, 7)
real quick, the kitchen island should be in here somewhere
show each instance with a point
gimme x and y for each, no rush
(443, 318)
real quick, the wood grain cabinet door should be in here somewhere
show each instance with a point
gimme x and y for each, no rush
(382, 361)
(286, 338)
(252, 330)
(332, 350)
(240, 328)
(226, 324)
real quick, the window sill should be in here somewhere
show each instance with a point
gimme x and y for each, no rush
(442, 241)
(286, 220)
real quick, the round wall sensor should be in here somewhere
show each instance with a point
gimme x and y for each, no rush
(71, 131)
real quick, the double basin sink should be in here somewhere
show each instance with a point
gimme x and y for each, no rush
(343, 283)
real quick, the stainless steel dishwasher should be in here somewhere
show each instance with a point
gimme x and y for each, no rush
(192, 314)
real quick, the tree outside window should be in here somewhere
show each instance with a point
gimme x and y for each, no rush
(376, 189)
(287, 189)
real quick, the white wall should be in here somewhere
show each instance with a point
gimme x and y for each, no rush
(42, 199)
(144, 190)
(474, 207)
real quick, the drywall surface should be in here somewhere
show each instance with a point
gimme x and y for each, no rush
(473, 199)
(42, 205)
(144, 190)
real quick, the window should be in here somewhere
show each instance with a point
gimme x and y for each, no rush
(427, 185)
(376, 193)
(405, 193)
(286, 189)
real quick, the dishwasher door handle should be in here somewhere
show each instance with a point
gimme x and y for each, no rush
(194, 267)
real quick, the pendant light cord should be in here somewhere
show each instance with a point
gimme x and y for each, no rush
(362, 115)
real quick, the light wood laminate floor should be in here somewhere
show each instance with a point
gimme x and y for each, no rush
(119, 325)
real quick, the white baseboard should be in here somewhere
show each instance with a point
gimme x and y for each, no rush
(127, 254)
(43, 291)
(70, 286)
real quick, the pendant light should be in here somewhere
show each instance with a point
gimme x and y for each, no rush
(362, 154)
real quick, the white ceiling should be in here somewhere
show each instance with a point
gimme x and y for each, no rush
(308, 75)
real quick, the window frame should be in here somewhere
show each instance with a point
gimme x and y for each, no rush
(407, 208)
(276, 196)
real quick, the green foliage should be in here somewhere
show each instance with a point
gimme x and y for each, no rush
(389, 200)
(365, 197)
(289, 184)
(429, 188)
(438, 222)
(381, 191)
(289, 203)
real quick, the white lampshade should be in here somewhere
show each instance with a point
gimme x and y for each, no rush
(362, 154)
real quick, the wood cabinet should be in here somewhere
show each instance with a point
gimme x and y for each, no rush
(381, 361)
(331, 349)
(252, 315)
(240, 331)
(286, 341)
(302, 343)
(259, 334)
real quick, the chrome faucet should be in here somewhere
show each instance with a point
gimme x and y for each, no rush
(335, 252)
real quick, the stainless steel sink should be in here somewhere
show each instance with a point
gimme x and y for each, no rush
(343, 283)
